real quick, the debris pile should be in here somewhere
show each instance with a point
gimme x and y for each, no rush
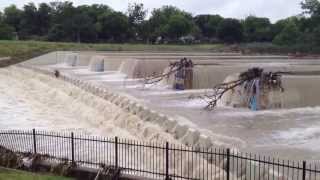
(253, 87)
(181, 70)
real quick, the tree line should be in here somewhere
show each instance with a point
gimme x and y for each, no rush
(62, 21)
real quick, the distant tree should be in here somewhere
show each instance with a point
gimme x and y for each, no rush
(62, 28)
(29, 20)
(316, 36)
(113, 26)
(79, 26)
(289, 35)
(136, 13)
(278, 27)
(44, 18)
(178, 25)
(6, 31)
(257, 29)
(159, 20)
(84, 28)
(136, 16)
(230, 31)
(62, 12)
(57, 33)
(12, 17)
(208, 24)
(311, 7)
(94, 11)
(144, 30)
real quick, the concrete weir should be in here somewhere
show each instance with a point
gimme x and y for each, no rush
(158, 112)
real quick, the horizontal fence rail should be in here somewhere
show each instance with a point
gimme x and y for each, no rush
(155, 160)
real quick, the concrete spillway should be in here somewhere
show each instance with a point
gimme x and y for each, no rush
(112, 96)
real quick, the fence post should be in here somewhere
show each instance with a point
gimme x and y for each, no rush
(228, 164)
(167, 161)
(34, 141)
(72, 147)
(116, 151)
(304, 164)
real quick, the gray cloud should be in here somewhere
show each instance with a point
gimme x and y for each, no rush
(273, 9)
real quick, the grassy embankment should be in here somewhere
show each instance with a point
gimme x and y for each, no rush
(6, 174)
(23, 50)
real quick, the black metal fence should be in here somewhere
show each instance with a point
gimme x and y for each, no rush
(156, 160)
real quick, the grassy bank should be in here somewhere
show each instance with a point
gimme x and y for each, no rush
(23, 50)
(6, 174)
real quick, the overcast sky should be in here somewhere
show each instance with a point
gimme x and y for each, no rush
(273, 9)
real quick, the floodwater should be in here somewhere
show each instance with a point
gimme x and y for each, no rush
(292, 132)
(27, 103)
(287, 133)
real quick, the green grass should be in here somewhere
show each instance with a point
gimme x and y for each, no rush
(23, 50)
(6, 174)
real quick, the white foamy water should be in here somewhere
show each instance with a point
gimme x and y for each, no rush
(31, 100)
(286, 133)
(26, 103)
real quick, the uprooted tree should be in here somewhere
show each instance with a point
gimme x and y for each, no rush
(181, 70)
(252, 82)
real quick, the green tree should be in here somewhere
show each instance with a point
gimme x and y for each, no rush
(257, 29)
(94, 11)
(316, 36)
(113, 26)
(144, 30)
(160, 18)
(12, 17)
(311, 7)
(44, 18)
(136, 16)
(79, 26)
(208, 24)
(6, 31)
(57, 33)
(289, 35)
(178, 25)
(230, 31)
(84, 29)
(29, 21)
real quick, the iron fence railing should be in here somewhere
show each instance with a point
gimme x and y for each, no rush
(155, 160)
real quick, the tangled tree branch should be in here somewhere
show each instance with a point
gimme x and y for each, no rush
(174, 68)
(270, 79)
(218, 91)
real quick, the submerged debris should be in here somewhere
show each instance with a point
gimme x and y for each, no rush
(57, 73)
(253, 87)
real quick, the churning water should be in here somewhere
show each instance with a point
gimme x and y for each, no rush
(31, 100)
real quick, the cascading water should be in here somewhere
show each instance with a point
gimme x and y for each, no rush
(51, 104)
(96, 113)
(71, 59)
(97, 64)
